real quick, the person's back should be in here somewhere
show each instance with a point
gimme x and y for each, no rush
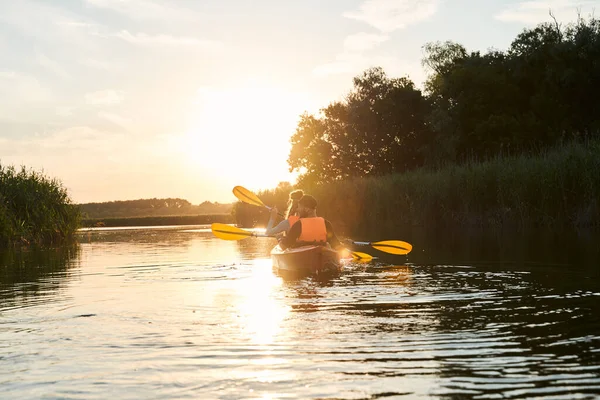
(310, 229)
(313, 230)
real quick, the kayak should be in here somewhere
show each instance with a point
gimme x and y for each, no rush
(306, 260)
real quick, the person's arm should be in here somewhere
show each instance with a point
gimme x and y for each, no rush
(332, 239)
(292, 236)
(272, 219)
(283, 226)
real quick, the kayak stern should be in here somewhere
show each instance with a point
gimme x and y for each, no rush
(306, 260)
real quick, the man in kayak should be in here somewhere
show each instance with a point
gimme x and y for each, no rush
(310, 229)
(291, 215)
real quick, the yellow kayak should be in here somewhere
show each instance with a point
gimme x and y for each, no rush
(306, 260)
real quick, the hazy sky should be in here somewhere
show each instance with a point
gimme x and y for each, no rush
(129, 99)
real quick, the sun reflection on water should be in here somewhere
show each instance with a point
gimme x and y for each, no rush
(260, 308)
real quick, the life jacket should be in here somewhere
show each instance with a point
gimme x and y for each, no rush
(292, 219)
(314, 231)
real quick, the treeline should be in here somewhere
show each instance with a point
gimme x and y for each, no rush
(34, 208)
(151, 208)
(536, 95)
(158, 221)
(502, 139)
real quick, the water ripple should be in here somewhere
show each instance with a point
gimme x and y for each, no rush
(179, 315)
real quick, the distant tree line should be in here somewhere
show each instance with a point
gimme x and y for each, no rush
(541, 92)
(151, 208)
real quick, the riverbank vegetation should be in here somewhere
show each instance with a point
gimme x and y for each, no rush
(556, 189)
(497, 139)
(154, 212)
(34, 208)
(169, 207)
(158, 220)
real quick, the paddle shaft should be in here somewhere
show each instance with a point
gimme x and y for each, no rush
(248, 197)
(388, 246)
(278, 213)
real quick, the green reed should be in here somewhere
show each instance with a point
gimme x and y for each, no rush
(34, 209)
(556, 189)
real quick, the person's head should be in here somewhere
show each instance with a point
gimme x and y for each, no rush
(295, 196)
(307, 206)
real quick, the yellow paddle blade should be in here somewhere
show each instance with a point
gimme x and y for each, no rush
(393, 247)
(228, 232)
(358, 256)
(247, 196)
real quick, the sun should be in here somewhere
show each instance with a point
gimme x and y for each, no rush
(242, 134)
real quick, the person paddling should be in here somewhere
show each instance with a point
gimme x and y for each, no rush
(310, 229)
(291, 215)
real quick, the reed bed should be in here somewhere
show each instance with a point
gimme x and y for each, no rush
(552, 190)
(34, 209)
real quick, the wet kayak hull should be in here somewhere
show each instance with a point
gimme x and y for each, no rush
(306, 260)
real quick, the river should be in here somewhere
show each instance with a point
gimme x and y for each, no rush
(173, 312)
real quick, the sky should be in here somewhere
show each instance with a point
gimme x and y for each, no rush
(131, 99)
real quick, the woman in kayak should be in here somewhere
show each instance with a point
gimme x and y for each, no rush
(291, 215)
(310, 229)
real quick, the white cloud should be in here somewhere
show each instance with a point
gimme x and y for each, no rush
(364, 41)
(116, 119)
(73, 138)
(17, 88)
(98, 64)
(144, 9)
(79, 137)
(48, 23)
(73, 28)
(50, 64)
(144, 39)
(107, 97)
(76, 24)
(386, 16)
(64, 111)
(344, 63)
(355, 63)
(391, 15)
(535, 12)
(8, 75)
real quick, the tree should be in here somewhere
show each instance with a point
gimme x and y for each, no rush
(379, 128)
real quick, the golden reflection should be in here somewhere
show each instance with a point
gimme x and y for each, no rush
(260, 309)
(402, 273)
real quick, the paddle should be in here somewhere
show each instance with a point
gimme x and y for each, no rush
(358, 256)
(387, 246)
(228, 232)
(248, 197)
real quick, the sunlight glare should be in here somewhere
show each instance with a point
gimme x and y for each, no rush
(243, 134)
(261, 311)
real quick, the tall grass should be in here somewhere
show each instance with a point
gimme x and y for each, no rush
(557, 189)
(34, 209)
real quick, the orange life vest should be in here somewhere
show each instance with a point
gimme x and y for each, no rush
(292, 219)
(313, 230)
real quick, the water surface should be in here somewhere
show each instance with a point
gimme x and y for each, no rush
(173, 312)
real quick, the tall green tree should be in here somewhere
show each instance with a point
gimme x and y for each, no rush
(535, 95)
(378, 129)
